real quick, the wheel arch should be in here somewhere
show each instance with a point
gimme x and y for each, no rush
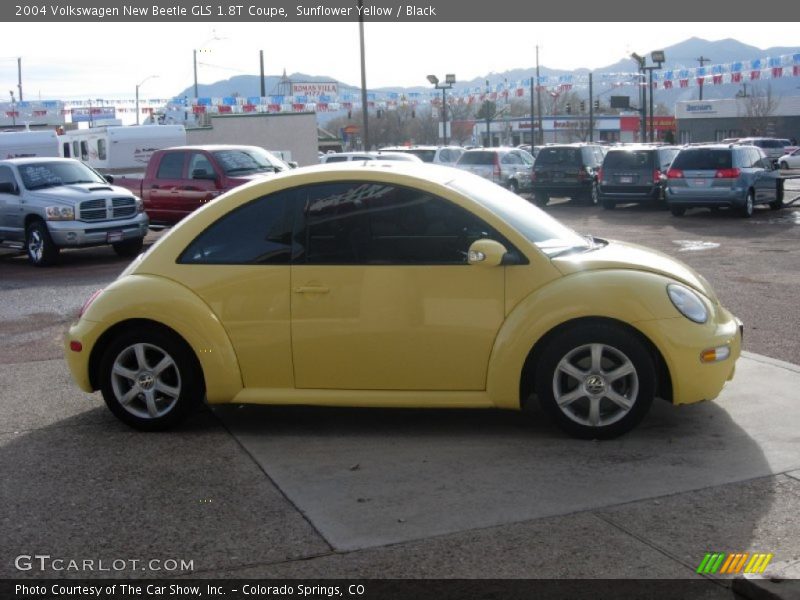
(527, 382)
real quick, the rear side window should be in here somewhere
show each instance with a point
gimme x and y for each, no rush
(558, 156)
(703, 159)
(638, 159)
(666, 156)
(171, 165)
(258, 233)
(477, 158)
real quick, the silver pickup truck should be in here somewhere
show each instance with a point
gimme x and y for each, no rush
(51, 203)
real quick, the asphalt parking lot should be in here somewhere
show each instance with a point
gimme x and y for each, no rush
(314, 493)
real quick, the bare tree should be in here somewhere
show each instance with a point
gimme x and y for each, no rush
(759, 108)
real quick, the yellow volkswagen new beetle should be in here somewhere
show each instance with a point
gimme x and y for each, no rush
(399, 285)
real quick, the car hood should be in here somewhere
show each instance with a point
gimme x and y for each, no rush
(69, 195)
(622, 255)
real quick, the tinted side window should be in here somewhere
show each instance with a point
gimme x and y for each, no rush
(478, 157)
(375, 223)
(625, 159)
(258, 233)
(703, 159)
(558, 156)
(171, 165)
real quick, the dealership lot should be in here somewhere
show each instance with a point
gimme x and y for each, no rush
(298, 492)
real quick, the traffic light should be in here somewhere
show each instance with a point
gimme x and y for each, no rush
(569, 108)
(597, 104)
(583, 106)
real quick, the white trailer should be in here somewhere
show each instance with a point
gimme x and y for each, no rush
(114, 149)
(21, 144)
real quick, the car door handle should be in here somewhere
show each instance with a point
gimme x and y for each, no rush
(312, 289)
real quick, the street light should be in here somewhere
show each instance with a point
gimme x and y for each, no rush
(657, 56)
(449, 80)
(213, 38)
(137, 94)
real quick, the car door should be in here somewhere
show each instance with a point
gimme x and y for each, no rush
(12, 215)
(765, 178)
(201, 182)
(382, 296)
(163, 194)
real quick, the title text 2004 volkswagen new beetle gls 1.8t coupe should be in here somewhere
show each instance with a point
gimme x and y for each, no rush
(399, 285)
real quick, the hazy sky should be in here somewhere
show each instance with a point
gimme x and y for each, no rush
(96, 60)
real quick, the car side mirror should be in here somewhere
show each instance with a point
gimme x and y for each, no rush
(486, 253)
(8, 187)
(109, 179)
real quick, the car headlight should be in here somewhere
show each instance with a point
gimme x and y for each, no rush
(688, 303)
(139, 204)
(60, 213)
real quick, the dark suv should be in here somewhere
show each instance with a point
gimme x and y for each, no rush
(634, 174)
(567, 170)
(716, 176)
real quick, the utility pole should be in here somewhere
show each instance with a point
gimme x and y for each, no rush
(533, 141)
(591, 110)
(19, 77)
(263, 88)
(539, 98)
(364, 108)
(702, 60)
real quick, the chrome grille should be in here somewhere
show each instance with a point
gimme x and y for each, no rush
(103, 209)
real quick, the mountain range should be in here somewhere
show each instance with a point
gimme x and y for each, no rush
(682, 55)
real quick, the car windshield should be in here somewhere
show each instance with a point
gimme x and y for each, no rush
(41, 175)
(539, 228)
(241, 161)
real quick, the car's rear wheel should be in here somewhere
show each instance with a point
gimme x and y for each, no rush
(129, 248)
(42, 251)
(595, 381)
(541, 198)
(677, 211)
(150, 378)
(513, 186)
(749, 205)
(593, 195)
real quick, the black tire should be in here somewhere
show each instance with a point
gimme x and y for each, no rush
(138, 394)
(129, 248)
(748, 207)
(541, 199)
(602, 408)
(677, 211)
(608, 204)
(41, 250)
(513, 187)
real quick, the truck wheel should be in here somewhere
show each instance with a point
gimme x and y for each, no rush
(129, 248)
(595, 381)
(42, 251)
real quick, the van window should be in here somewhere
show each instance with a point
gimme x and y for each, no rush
(67, 153)
(101, 149)
(629, 159)
(84, 150)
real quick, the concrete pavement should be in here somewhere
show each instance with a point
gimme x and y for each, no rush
(302, 492)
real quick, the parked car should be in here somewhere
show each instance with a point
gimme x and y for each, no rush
(47, 204)
(180, 180)
(439, 155)
(379, 155)
(399, 285)
(634, 174)
(772, 147)
(790, 161)
(722, 176)
(508, 167)
(567, 170)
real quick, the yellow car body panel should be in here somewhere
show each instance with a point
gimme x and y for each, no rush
(411, 336)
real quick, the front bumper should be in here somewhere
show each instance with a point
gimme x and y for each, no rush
(681, 342)
(79, 233)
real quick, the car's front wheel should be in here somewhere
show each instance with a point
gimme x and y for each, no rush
(513, 186)
(150, 378)
(541, 199)
(595, 381)
(42, 251)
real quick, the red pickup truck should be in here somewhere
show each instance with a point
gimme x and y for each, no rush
(180, 180)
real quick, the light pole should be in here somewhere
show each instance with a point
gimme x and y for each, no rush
(640, 62)
(213, 38)
(137, 94)
(449, 80)
(657, 56)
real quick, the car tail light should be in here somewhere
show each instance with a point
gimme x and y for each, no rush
(497, 172)
(674, 174)
(656, 176)
(600, 174)
(727, 173)
(582, 174)
(89, 301)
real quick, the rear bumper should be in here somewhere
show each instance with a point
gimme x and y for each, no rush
(706, 198)
(631, 193)
(568, 189)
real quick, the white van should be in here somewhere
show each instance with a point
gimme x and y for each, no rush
(24, 144)
(115, 149)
